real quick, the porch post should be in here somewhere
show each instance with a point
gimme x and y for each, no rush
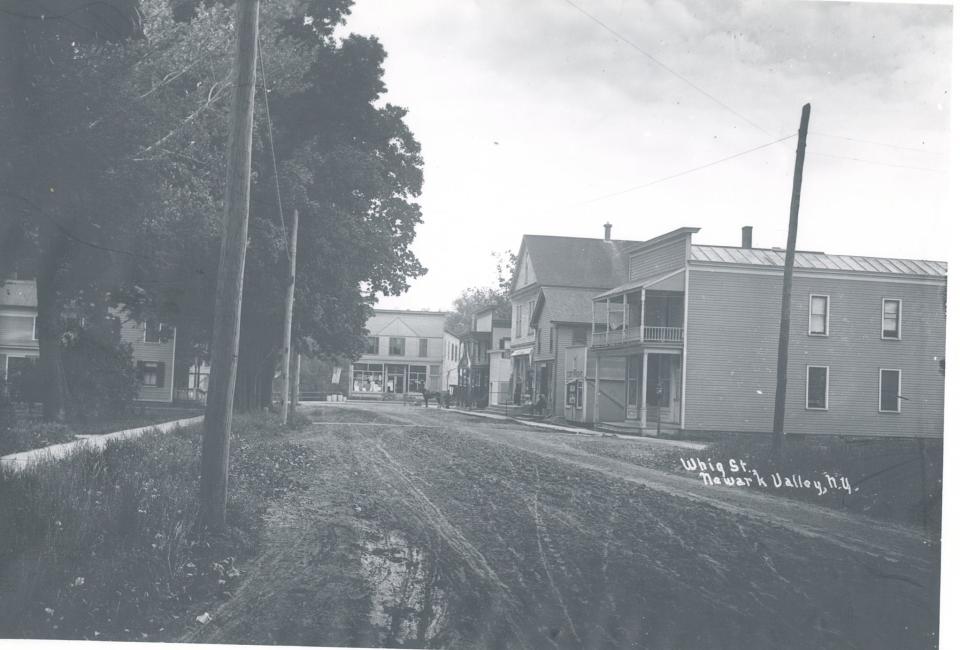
(643, 307)
(643, 391)
(596, 390)
(606, 336)
(593, 323)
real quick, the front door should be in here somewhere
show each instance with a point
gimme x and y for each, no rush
(663, 388)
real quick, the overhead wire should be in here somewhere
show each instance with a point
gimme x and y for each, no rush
(273, 151)
(664, 66)
(686, 171)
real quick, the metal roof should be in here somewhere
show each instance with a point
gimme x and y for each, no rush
(817, 261)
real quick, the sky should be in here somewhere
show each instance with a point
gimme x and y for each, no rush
(536, 118)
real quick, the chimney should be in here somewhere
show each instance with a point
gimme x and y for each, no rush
(606, 231)
(746, 239)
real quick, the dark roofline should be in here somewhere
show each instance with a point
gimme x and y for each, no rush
(422, 312)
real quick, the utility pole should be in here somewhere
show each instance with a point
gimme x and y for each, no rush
(295, 391)
(782, 350)
(288, 320)
(218, 419)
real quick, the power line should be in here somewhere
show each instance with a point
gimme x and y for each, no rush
(666, 67)
(687, 171)
(875, 142)
(877, 162)
(273, 151)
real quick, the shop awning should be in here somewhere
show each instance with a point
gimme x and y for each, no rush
(520, 353)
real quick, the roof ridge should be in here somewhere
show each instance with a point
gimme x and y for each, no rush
(781, 250)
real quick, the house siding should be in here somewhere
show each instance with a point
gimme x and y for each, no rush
(732, 339)
(132, 332)
(651, 262)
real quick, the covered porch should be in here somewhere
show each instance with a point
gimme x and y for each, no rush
(647, 311)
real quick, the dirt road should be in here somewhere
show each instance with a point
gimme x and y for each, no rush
(422, 528)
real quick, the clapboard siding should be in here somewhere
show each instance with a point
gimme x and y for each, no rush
(132, 332)
(16, 330)
(651, 262)
(732, 338)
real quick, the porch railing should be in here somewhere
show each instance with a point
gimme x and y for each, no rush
(651, 334)
(663, 334)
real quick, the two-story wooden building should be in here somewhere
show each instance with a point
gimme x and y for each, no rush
(690, 341)
(554, 284)
(153, 344)
(405, 353)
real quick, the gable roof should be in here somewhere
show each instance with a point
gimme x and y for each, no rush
(578, 262)
(564, 304)
(816, 261)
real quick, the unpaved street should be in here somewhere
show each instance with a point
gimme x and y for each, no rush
(423, 528)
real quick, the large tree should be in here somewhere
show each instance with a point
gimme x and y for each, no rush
(125, 151)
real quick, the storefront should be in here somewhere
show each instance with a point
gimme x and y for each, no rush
(391, 378)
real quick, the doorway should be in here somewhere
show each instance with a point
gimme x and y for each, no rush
(663, 388)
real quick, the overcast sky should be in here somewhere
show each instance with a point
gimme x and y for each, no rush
(531, 114)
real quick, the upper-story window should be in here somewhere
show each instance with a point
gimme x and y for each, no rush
(819, 315)
(530, 307)
(423, 347)
(580, 336)
(155, 332)
(891, 318)
(397, 346)
(519, 319)
(372, 345)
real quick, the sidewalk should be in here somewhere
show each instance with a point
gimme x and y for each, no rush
(23, 460)
(696, 446)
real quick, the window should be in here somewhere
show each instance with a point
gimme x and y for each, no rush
(889, 391)
(423, 347)
(418, 378)
(891, 319)
(151, 373)
(550, 336)
(579, 336)
(156, 332)
(519, 319)
(368, 378)
(819, 315)
(17, 328)
(539, 341)
(503, 342)
(818, 387)
(397, 346)
(530, 307)
(372, 345)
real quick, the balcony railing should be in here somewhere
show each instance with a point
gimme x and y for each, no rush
(650, 334)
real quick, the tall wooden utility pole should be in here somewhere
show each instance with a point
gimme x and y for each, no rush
(226, 321)
(781, 396)
(288, 320)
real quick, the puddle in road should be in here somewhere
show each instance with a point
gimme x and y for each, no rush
(409, 606)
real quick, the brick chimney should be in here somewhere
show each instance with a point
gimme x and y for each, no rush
(606, 231)
(746, 237)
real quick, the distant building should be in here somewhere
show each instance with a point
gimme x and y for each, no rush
(484, 365)
(153, 343)
(690, 340)
(404, 354)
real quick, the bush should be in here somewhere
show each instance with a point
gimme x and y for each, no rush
(100, 374)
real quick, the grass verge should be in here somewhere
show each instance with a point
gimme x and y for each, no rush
(100, 545)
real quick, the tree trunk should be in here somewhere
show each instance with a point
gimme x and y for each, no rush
(48, 328)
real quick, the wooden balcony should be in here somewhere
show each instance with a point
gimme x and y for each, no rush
(646, 334)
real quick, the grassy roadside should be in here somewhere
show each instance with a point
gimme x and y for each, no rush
(28, 431)
(100, 545)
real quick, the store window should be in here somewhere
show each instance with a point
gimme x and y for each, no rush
(418, 379)
(368, 377)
